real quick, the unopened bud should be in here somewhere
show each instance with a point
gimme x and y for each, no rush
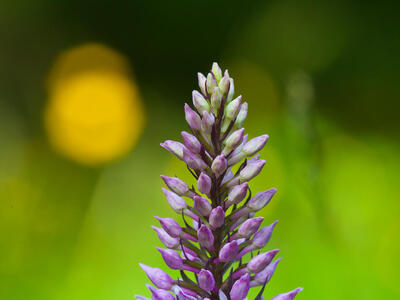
(216, 70)
(260, 261)
(234, 140)
(165, 238)
(177, 203)
(217, 217)
(260, 200)
(237, 194)
(202, 205)
(229, 252)
(192, 118)
(202, 83)
(207, 122)
(241, 117)
(171, 258)
(255, 145)
(191, 142)
(288, 296)
(216, 98)
(158, 277)
(174, 148)
(211, 83)
(219, 165)
(232, 109)
(240, 288)
(205, 236)
(249, 227)
(251, 170)
(200, 102)
(206, 280)
(193, 161)
(170, 226)
(204, 183)
(176, 185)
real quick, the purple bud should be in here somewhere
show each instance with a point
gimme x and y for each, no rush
(260, 200)
(211, 83)
(231, 90)
(240, 288)
(192, 118)
(204, 183)
(262, 237)
(217, 72)
(207, 122)
(237, 194)
(228, 176)
(217, 217)
(158, 277)
(176, 185)
(224, 84)
(202, 205)
(216, 99)
(193, 161)
(229, 251)
(160, 294)
(265, 275)
(202, 83)
(199, 102)
(191, 142)
(165, 238)
(222, 296)
(177, 203)
(260, 261)
(174, 147)
(233, 141)
(255, 145)
(232, 109)
(206, 238)
(206, 280)
(171, 258)
(170, 226)
(251, 170)
(249, 227)
(219, 165)
(241, 117)
(288, 296)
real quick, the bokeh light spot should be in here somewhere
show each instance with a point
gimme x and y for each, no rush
(94, 113)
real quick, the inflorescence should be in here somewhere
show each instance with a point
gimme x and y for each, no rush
(211, 252)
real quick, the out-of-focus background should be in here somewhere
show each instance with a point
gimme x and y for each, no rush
(88, 90)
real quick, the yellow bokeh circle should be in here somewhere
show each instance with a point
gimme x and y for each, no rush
(94, 115)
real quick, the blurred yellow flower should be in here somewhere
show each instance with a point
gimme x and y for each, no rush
(94, 113)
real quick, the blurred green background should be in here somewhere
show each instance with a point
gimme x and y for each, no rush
(78, 188)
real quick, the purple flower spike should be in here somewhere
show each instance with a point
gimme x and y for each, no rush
(288, 296)
(171, 258)
(260, 261)
(204, 183)
(206, 280)
(261, 199)
(217, 217)
(206, 237)
(176, 185)
(192, 118)
(264, 276)
(218, 226)
(170, 226)
(219, 165)
(158, 277)
(177, 203)
(191, 142)
(240, 288)
(229, 252)
(202, 205)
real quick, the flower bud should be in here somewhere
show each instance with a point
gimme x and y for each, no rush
(192, 118)
(216, 70)
(174, 147)
(191, 142)
(224, 84)
(206, 280)
(228, 176)
(231, 90)
(160, 294)
(255, 145)
(170, 226)
(206, 238)
(260, 261)
(232, 109)
(262, 237)
(202, 205)
(251, 170)
(177, 202)
(229, 252)
(165, 238)
(211, 83)
(260, 200)
(171, 258)
(204, 183)
(158, 277)
(176, 185)
(240, 288)
(193, 161)
(217, 217)
(265, 275)
(207, 122)
(249, 227)
(241, 117)
(202, 83)
(233, 141)
(288, 296)
(219, 165)
(200, 102)
(216, 99)
(237, 194)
